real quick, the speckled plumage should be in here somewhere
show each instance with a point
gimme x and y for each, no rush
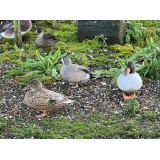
(74, 73)
(39, 98)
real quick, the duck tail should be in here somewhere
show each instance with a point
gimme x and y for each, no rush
(5, 27)
(93, 75)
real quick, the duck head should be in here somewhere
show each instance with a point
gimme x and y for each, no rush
(66, 61)
(130, 68)
(40, 31)
(35, 84)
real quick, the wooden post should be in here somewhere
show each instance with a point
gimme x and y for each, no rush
(17, 32)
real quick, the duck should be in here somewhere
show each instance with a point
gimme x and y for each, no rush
(7, 30)
(129, 81)
(74, 73)
(41, 99)
(45, 40)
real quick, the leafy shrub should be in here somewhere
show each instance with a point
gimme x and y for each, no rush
(41, 67)
(147, 63)
(134, 31)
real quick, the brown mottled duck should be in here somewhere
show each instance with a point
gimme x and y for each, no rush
(41, 99)
(45, 40)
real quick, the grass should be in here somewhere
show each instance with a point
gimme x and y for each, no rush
(129, 125)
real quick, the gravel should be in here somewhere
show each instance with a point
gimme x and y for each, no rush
(96, 96)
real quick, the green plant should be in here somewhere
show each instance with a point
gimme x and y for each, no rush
(3, 126)
(147, 63)
(43, 66)
(132, 109)
(134, 31)
(2, 101)
(147, 60)
(113, 72)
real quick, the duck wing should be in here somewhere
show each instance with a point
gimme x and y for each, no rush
(86, 70)
(6, 26)
(50, 36)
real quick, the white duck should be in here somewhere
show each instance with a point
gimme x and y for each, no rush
(129, 82)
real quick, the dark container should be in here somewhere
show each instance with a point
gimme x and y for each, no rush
(114, 30)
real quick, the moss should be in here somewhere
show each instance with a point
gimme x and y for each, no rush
(47, 80)
(14, 72)
(26, 78)
(150, 23)
(87, 126)
(124, 51)
(101, 61)
(153, 33)
(66, 36)
(83, 60)
(149, 30)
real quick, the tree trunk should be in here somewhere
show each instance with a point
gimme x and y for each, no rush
(114, 30)
(17, 31)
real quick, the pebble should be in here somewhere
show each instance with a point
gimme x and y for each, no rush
(103, 83)
(116, 112)
(145, 108)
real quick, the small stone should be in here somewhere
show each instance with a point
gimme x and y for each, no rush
(119, 111)
(145, 107)
(103, 83)
(116, 112)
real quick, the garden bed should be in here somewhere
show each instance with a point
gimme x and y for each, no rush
(99, 110)
(97, 97)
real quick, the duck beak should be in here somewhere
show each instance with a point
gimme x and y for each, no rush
(127, 72)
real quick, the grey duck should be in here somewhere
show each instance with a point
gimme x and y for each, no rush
(74, 73)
